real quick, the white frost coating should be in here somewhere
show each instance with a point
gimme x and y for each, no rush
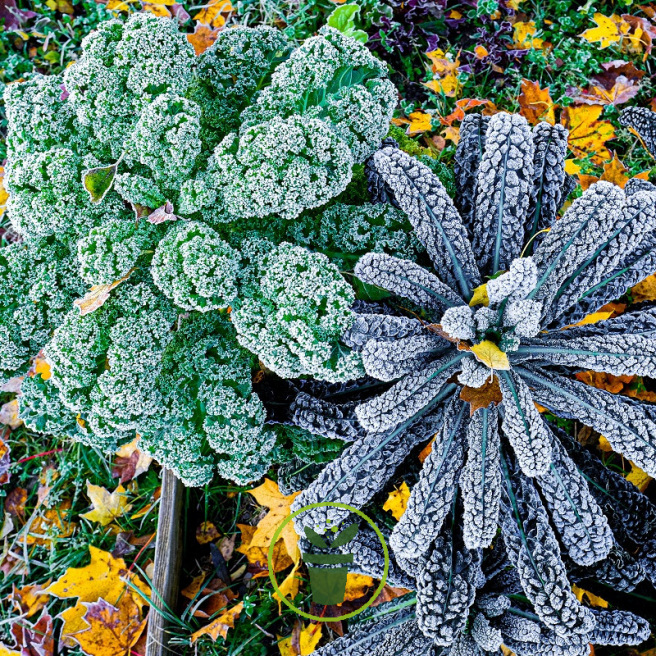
(473, 373)
(524, 316)
(458, 322)
(516, 283)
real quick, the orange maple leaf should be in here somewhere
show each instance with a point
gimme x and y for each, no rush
(535, 104)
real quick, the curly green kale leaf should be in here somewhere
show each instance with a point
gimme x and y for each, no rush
(123, 67)
(282, 166)
(195, 268)
(109, 251)
(334, 78)
(46, 196)
(232, 70)
(295, 318)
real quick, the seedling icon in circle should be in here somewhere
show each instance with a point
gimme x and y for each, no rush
(328, 571)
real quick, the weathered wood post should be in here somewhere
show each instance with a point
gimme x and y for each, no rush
(168, 559)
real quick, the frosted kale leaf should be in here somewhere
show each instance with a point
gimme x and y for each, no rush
(579, 521)
(480, 480)
(641, 119)
(336, 79)
(468, 158)
(432, 495)
(281, 167)
(533, 549)
(195, 268)
(446, 589)
(504, 180)
(548, 191)
(293, 319)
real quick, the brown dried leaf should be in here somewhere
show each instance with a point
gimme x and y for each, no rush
(97, 295)
(481, 397)
(535, 104)
(207, 533)
(162, 214)
(112, 630)
(221, 625)
(202, 38)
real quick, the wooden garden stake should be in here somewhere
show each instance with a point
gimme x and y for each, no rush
(168, 559)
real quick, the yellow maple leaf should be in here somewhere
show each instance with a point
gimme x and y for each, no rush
(211, 14)
(524, 36)
(269, 496)
(111, 629)
(397, 501)
(289, 586)
(104, 577)
(571, 167)
(645, 290)
(357, 586)
(638, 477)
(221, 625)
(604, 445)
(594, 317)
(307, 640)
(106, 506)
(418, 122)
(491, 355)
(595, 601)
(155, 9)
(479, 296)
(609, 30)
(588, 134)
(203, 37)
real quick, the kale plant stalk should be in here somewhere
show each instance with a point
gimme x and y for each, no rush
(494, 325)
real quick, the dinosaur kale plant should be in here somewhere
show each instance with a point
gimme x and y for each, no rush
(140, 273)
(494, 323)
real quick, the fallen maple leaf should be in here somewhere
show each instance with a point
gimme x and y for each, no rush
(257, 556)
(588, 134)
(221, 625)
(30, 599)
(524, 36)
(302, 642)
(202, 38)
(212, 13)
(357, 585)
(207, 533)
(645, 290)
(491, 355)
(614, 171)
(481, 397)
(36, 639)
(156, 9)
(458, 114)
(535, 104)
(609, 30)
(106, 507)
(53, 524)
(112, 630)
(595, 601)
(9, 414)
(269, 496)
(105, 577)
(622, 91)
(130, 461)
(397, 501)
(445, 74)
(638, 477)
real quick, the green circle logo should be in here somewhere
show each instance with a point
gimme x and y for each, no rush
(276, 537)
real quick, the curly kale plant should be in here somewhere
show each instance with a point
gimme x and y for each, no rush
(142, 173)
(486, 325)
